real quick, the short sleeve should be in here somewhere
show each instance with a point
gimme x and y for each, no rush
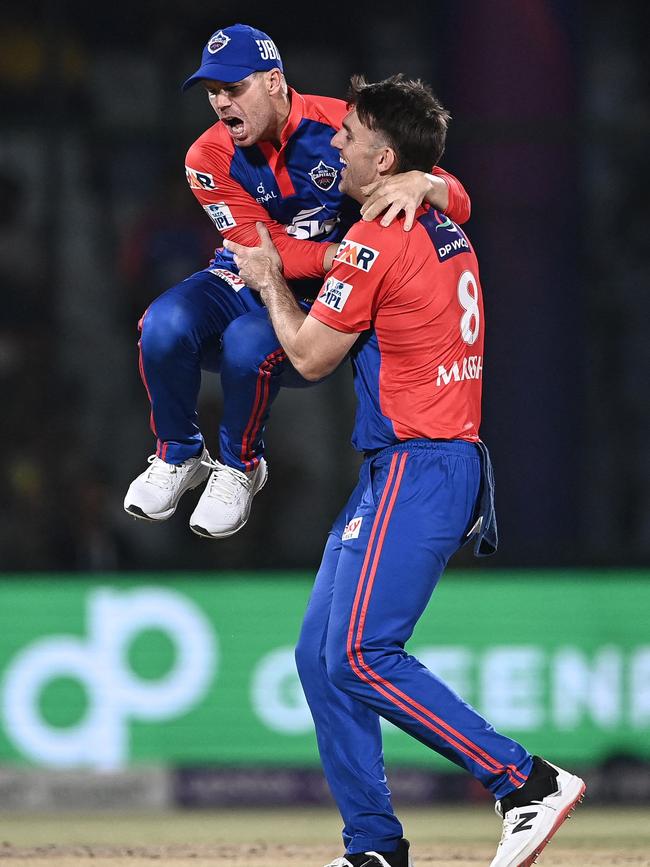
(347, 300)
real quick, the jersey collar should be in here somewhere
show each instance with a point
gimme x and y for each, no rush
(295, 116)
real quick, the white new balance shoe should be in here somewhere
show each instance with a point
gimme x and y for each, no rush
(532, 814)
(400, 858)
(226, 502)
(155, 493)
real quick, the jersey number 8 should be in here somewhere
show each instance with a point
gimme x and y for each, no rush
(468, 298)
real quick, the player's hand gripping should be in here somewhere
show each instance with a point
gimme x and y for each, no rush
(259, 266)
(403, 192)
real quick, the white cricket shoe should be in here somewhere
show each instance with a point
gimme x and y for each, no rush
(400, 858)
(531, 819)
(155, 493)
(226, 502)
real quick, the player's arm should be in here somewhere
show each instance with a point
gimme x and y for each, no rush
(408, 190)
(235, 212)
(459, 204)
(313, 348)
(316, 343)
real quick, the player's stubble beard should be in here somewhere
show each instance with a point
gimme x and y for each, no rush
(351, 187)
(264, 119)
(259, 118)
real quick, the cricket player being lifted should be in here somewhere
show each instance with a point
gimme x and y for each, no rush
(268, 158)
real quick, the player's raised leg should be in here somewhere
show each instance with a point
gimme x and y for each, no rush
(253, 367)
(179, 330)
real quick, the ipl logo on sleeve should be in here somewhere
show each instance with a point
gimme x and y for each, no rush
(221, 216)
(334, 294)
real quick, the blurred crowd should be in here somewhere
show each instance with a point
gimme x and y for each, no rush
(96, 220)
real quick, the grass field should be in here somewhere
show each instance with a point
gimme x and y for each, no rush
(462, 837)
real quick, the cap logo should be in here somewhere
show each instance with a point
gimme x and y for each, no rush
(218, 41)
(267, 49)
(323, 176)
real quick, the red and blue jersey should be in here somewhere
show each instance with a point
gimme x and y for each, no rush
(293, 190)
(416, 300)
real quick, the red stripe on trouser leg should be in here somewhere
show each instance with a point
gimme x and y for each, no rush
(260, 403)
(511, 770)
(380, 543)
(152, 423)
(380, 684)
(264, 377)
(366, 559)
(253, 415)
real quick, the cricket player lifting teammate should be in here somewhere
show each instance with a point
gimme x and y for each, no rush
(408, 308)
(268, 158)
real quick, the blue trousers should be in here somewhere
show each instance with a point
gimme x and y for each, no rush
(207, 322)
(411, 510)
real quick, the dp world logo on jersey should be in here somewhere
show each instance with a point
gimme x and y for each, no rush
(115, 695)
(446, 224)
(218, 41)
(448, 238)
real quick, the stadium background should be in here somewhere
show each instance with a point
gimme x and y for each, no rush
(550, 107)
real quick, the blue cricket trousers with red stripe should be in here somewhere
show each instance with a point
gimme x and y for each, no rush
(203, 323)
(417, 502)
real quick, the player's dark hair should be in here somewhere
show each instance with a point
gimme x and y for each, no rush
(407, 113)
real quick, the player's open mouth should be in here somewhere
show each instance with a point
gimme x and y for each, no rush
(235, 126)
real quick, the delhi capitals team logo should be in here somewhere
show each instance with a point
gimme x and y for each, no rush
(218, 41)
(323, 176)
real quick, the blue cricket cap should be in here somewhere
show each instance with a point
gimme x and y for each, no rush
(235, 53)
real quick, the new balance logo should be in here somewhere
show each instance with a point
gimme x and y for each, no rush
(522, 823)
(376, 860)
